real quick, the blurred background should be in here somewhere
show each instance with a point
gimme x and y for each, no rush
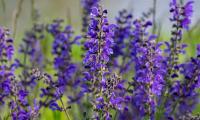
(71, 9)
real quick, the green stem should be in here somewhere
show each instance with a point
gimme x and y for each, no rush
(115, 117)
(68, 117)
(16, 15)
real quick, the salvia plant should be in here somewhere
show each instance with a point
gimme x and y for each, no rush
(125, 72)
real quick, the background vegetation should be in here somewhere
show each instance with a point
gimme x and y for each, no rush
(17, 15)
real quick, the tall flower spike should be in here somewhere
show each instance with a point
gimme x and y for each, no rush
(62, 47)
(65, 68)
(149, 71)
(183, 96)
(122, 39)
(181, 18)
(6, 70)
(99, 49)
(100, 41)
(33, 57)
(12, 91)
(99, 45)
(62, 61)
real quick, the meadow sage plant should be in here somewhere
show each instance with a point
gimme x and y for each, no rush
(124, 72)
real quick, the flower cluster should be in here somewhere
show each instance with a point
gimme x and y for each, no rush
(123, 37)
(6, 43)
(6, 70)
(65, 68)
(181, 18)
(185, 91)
(181, 14)
(19, 105)
(32, 46)
(87, 8)
(149, 70)
(100, 41)
(177, 89)
(103, 83)
(13, 92)
(31, 51)
(61, 49)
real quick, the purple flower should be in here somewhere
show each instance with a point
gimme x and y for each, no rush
(161, 87)
(183, 96)
(31, 47)
(31, 50)
(99, 47)
(180, 17)
(62, 47)
(122, 38)
(99, 44)
(198, 50)
(187, 13)
(55, 27)
(181, 14)
(19, 104)
(6, 71)
(150, 70)
(55, 106)
(6, 45)
(65, 68)
(87, 6)
(34, 110)
(99, 81)
(20, 115)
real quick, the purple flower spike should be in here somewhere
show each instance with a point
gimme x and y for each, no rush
(6, 71)
(6, 45)
(150, 70)
(182, 14)
(88, 9)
